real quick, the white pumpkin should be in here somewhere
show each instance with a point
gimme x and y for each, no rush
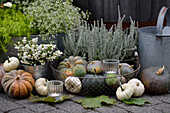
(40, 86)
(73, 84)
(126, 93)
(138, 87)
(11, 64)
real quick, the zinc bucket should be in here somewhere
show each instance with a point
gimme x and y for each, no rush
(154, 43)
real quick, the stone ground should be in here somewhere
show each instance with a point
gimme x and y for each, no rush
(159, 104)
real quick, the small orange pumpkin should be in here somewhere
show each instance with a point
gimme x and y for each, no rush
(68, 65)
(18, 84)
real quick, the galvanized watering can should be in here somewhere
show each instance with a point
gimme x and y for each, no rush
(154, 43)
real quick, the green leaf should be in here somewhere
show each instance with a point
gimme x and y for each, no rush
(49, 99)
(107, 100)
(136, 101)
(95, 102)
(91, 102)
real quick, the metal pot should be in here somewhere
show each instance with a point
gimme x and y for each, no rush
(154, 43)
(38, 71)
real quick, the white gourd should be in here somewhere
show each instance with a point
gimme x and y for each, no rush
(138, 87)
(11, 64)
(126, 93)
(40, 86)
(73, 84)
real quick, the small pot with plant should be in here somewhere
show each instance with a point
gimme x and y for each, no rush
(36, 58)
(53, 17)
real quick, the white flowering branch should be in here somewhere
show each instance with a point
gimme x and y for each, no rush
(31, 53)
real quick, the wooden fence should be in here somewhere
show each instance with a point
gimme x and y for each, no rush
(139, 10)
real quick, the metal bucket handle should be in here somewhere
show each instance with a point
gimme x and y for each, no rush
(160, 20)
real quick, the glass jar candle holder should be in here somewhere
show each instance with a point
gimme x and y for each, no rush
(54, 88)
(111, 66)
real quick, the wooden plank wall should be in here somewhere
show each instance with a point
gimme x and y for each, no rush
(139, 10)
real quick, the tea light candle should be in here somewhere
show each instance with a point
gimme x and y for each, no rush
(54, 88)
(54, 94)
(111, 66)
(110, 72)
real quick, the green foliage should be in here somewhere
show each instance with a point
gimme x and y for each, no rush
(136, 101)
(3, 1)
(95, 102)
(49, 99)
(53, 16)
(98, 43)
(13, 23)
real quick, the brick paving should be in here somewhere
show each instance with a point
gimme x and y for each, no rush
(159, 104)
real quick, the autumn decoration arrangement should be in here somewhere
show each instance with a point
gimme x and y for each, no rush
(80, 67)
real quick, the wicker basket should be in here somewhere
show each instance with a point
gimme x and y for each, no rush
(101, 86)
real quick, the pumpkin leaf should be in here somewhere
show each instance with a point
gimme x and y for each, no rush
(49, 99)
(107, 100)
(95, 102)
(136, 101)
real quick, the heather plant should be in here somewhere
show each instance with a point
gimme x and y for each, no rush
(98, 43)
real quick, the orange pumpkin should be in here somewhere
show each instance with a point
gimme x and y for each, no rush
(18, 84)
(68, 65)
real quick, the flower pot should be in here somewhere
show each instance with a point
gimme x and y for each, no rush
(59, 41)
(38, 71)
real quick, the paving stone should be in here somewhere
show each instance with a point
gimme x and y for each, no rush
(56, 111)
(159, 104)
(110, 109)
(92, 111)
(77, 97)
(154, 99)
(7, 105)
(39, 107)
(138, 109)
(36, 106)
(71, 107)
(165, 98)
(23, 110)
(163, 107)
(6, 96)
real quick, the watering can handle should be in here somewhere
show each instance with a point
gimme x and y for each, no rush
(160, 20)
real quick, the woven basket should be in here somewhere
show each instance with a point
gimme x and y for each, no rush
(99, 89)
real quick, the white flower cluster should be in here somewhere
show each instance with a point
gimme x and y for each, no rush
(54, 16)
(8, 4)
(31, 53)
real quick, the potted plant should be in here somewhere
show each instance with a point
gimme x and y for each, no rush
(36, 58)
(53, 17)
(98, 43)
(14, 24)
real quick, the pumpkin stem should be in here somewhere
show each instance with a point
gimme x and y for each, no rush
(69, 65)
(94, 71)
(92, 62)
(18, 77)
(121, 86)
(120, 66)
(8, 59)
(137, 84)
(131, 66)
(160, 71)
